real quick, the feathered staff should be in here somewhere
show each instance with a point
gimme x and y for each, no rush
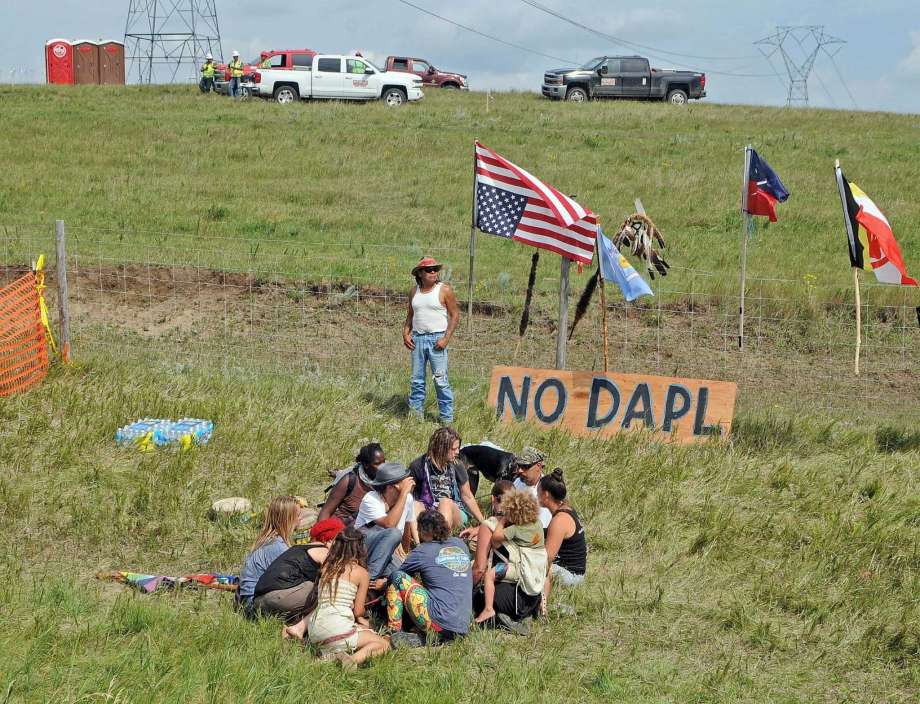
(585, 300)
(639, 233)
(525, 314)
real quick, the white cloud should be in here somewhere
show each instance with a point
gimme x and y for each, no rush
(910, 64)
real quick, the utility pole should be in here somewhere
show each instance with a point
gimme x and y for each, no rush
(798, 47)
(166, 40)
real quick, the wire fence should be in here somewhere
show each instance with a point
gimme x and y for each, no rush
(338, 309)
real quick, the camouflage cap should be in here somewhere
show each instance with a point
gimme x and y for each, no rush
(529, 456)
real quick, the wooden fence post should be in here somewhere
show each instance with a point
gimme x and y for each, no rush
(63, 302)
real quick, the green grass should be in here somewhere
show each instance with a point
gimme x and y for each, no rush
(780, 567)
(331, 180)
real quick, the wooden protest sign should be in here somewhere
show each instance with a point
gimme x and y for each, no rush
(595, 403)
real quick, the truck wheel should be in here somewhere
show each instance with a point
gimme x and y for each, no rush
(677, 97)
(286, 94)
(451, 86)
(577, 95)
(394, 97)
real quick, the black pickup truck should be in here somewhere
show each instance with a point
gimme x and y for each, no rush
(623, 77)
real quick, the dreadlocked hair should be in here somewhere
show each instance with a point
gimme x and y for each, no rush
(520, 508)
(366, 454)
(279, 521)
(439, 445)
(347, 550)
(432, 523)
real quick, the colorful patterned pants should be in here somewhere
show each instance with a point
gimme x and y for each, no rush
(406, 595)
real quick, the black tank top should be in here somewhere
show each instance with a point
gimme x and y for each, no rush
(292, 567)
(573, 552)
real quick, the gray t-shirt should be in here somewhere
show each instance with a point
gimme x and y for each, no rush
(444, 569)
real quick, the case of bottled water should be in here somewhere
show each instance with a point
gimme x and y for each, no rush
(163, 431)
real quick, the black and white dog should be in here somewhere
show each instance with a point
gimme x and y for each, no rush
(488, 460)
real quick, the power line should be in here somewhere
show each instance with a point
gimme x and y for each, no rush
(487, 36)
(840, 76)
(651, 51)
(626, 43)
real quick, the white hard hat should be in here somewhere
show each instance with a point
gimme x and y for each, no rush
(236, 53)
(208, 56)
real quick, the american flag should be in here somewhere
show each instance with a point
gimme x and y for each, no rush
(515, 204)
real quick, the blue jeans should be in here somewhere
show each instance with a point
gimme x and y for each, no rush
(381, 543)
(234, 87)
(426, 353)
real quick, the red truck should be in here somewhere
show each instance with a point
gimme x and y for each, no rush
(429, 74)
(276, 58)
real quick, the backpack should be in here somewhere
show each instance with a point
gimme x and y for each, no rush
(352, 475)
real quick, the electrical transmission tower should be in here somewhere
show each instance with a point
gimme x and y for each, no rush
(168, 39)
(799, 47)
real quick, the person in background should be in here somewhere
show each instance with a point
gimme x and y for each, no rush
(441, 482)
(207, 75)
(386, 518)
(352, 484)
(235, 67)
(520, 533)
(432, 591)
(283, 588)
(566, 548)
(530, 464)
(337, 625)
(433, 315)
(281, 517)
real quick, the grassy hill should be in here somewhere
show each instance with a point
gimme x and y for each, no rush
(139, 161)
(780, 567)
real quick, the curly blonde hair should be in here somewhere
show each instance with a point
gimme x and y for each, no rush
(520, 508)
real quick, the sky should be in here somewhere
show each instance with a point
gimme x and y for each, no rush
(878, 68)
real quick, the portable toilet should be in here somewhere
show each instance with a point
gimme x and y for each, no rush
(112, 62)
(59, 61)
(85, 62)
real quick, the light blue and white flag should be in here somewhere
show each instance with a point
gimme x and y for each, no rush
(615, 267)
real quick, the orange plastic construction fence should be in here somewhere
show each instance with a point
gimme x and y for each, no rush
(23, 345)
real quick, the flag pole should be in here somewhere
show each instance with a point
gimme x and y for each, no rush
(469, 304)
(745, 228)
(563, 308)
(858, 318)
(604, 309)
(851, 236)
(563, 312)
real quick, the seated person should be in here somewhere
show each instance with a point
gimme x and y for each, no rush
(281, 517)
(441, 482)
(482, 535)
(519, 531)
(529, 469)
(336, 623)
(566, 548)
(283, 588)
(432, 591)
(386, 518)
(352, 484)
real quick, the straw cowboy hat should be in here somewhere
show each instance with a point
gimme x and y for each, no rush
(426, 262)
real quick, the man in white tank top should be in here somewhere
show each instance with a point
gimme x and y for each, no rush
(431, 319)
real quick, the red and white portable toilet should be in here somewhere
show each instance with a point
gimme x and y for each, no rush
(111, 62)
(59, 61)
(85, 62)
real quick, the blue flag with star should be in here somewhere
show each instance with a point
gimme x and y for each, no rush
(615, 267)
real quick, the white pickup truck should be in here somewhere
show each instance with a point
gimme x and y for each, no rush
(337, 77)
